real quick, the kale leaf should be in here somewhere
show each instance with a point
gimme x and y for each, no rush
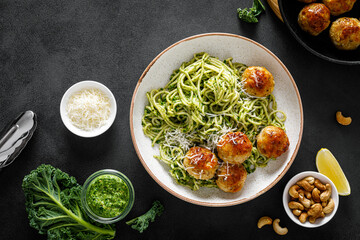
(53, 202)
(141, 223)
(250, 15)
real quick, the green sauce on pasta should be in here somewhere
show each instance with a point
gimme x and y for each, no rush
(203, 101)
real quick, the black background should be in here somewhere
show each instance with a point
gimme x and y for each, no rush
(47, 46)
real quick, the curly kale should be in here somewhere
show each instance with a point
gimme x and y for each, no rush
(53, 202)
(250, 15)
(141, 223)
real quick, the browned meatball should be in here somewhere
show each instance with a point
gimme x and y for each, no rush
(338, 7)
(231, 177)
(345, 33)
(234, 147)
(272, 142)
(201, 163)
(314, 18)
(257, 81)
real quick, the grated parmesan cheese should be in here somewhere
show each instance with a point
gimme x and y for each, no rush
(88, 109)
(177, 138)
(214, 138)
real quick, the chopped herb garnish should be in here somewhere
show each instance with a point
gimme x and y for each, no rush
(250, 15)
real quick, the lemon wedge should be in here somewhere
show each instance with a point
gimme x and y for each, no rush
(327, 164)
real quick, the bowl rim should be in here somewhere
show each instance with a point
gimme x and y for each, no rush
(285, 197)
(85, 84)
(307, 47)
(196, 202)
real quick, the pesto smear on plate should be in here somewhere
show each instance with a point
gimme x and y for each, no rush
(107, 196)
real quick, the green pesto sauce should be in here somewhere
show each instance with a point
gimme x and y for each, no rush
(107, 196)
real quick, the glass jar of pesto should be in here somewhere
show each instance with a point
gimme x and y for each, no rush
(107, 196)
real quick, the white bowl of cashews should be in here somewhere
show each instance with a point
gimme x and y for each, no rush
(310, 199)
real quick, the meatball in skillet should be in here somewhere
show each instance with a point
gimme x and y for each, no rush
(345, 33)
(314, 18)
(338, 7)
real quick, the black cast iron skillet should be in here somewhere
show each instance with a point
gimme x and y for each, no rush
(320, 45)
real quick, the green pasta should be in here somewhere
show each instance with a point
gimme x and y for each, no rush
(203, 101)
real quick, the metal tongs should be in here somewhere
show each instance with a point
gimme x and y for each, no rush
(15, 136)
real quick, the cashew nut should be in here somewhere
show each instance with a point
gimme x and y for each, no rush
(310, 180)
(319, 185)
(296, 212)
(330, 206)
(324, 196)
(279, 230)
(296, 205)
(312, 219)
(264, 221)
(293, 191)
(305, 185)
(316, 195)
(342, 120)
(315, 210)
(305, 193)
(324, 204)
(303, 216)
(304, 201)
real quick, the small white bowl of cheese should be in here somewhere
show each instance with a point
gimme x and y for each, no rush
(88, 109)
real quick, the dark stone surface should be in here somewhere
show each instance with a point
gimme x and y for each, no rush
(46, 46)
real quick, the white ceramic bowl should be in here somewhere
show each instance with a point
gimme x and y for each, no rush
(88, 84)
(223, 46)
(286, 199)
